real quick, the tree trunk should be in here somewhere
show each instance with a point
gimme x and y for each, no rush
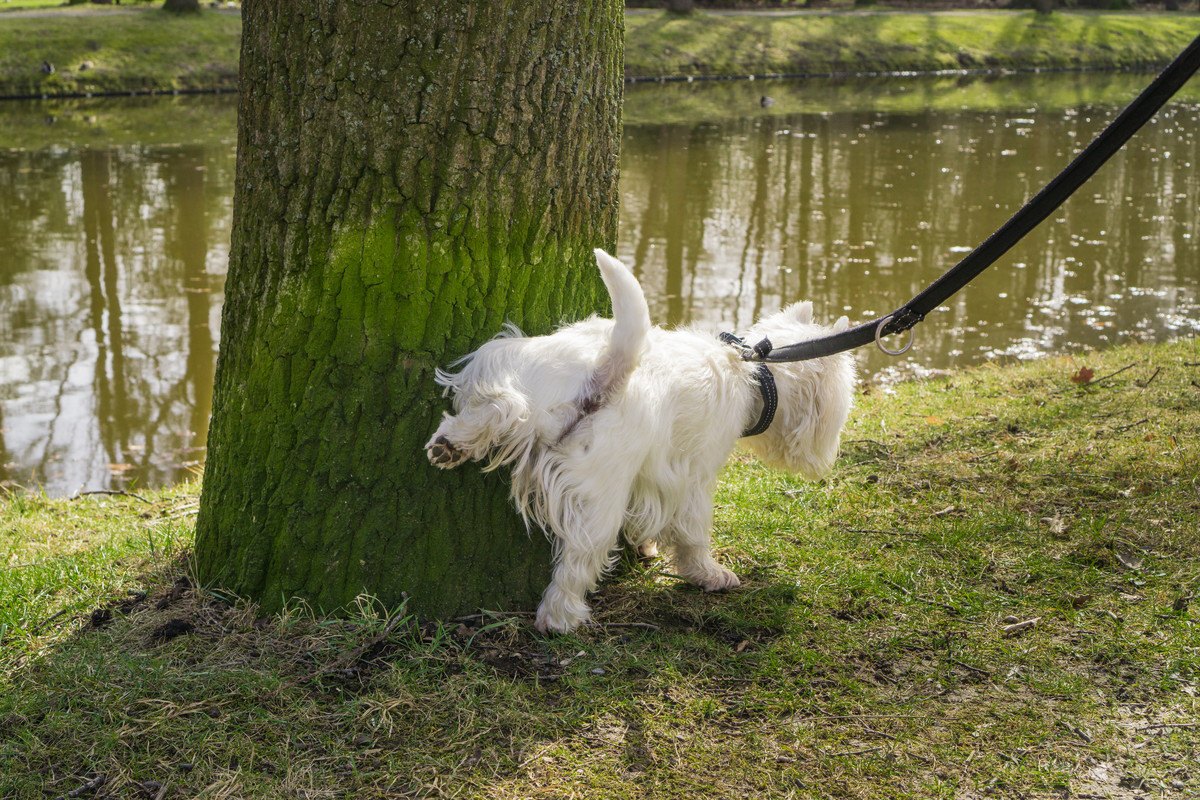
(1044, 6)
(182, 6)
(410, 176)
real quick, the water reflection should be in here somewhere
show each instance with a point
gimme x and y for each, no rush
(109, 305)
(860, 210)
(115, 217)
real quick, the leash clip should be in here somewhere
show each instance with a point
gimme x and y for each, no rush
(756, 353)
(879, 340)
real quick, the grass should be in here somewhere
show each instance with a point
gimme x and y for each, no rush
(864, 657)
(148, 50)
(706, 44)
(27, 5)
(127, 50)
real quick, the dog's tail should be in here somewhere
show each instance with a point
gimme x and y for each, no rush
(631, 324)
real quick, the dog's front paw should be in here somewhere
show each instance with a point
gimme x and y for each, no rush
(560, 613)
(718, 580)
(443, 454)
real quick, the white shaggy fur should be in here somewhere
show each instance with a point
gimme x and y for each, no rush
(611, 425)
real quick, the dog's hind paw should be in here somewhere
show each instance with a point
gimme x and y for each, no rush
(443, 454)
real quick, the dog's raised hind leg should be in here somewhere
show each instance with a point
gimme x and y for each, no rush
(476, 430)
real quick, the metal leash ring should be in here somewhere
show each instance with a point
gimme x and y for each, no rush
(879, 342)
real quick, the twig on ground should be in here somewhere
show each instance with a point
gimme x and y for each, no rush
(179, 511)
(116, 492)
(1124, 428)
(1150, 380)
(861, 752)
(967, 666)
(875, 442)
(882, 532)
(644, 625)
(914, 596)
(38, 628)
(1161, 725)
(874, 732)
(496, 615)
(1102, 379)
(92, 785)
(1020, 627)
(815, 717)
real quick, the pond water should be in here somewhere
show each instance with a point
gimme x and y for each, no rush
(115, 219)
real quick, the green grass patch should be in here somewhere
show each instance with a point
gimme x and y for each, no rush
(865, 655)
(118, 51)
(662, 44)
(147, 50)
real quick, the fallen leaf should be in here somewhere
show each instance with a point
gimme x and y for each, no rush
(1129, 560)
(742, 645)
(1083, 376)
(932, 420)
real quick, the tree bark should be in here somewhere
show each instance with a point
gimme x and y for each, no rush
(182, 6)
(410, 176)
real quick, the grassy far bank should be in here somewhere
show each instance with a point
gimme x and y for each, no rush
(148, 50)
(865, 656)
(663, 44)
(102, 50)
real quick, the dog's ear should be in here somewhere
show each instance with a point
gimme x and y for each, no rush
(801, 312)
(842, 324)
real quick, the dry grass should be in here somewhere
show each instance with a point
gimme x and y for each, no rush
(866, 655)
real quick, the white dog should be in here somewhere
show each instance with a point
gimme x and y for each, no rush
(611, 425)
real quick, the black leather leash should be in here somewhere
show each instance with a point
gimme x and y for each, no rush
(1053, 195)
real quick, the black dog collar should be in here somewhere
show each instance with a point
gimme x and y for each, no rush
(770, 396)
(765, 381)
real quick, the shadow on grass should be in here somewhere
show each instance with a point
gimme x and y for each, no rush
(867, 654)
